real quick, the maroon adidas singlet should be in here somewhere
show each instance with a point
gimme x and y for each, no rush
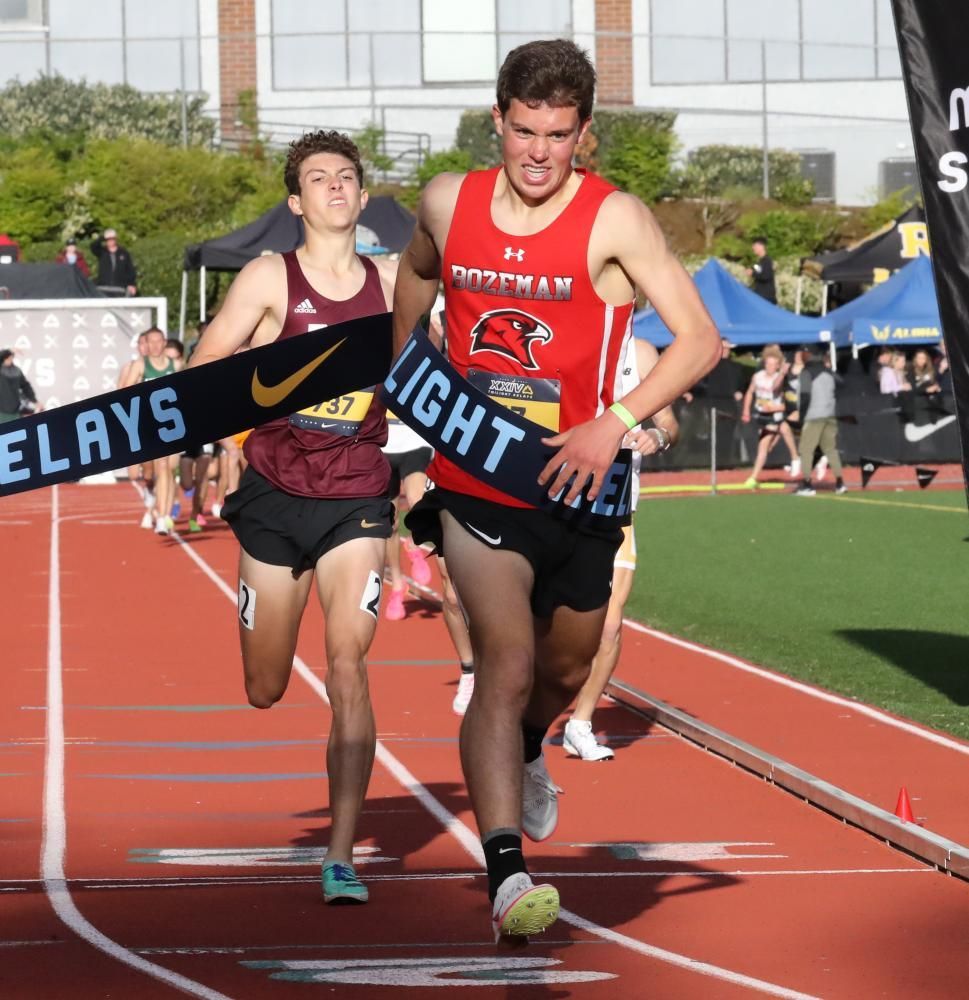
(331, 449)
(525, 308)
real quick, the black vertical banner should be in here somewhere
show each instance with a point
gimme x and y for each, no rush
(932, 42)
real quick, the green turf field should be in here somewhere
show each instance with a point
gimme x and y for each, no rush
(865, 594)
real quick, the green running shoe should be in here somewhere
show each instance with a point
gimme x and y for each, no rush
(341, 885)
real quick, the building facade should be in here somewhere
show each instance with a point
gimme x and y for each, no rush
(815, 75)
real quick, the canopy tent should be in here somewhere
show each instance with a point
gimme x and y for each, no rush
(741, 315)
(385, 226)
(903, 310)
(877, 256)
(45, 281)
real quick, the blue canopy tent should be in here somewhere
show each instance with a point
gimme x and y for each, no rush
(741, 315)
(901, 311)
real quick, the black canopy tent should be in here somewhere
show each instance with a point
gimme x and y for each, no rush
(45, 281)
(876, 257)
(277, 231)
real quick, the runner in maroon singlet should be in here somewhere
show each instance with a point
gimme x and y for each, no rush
(539, 263)
(314, 496)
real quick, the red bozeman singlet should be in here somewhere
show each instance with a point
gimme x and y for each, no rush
(331, 450)
(524, 307)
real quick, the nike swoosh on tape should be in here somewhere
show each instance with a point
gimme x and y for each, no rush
(505, 850)
(270, 395)
(914, 433)
(369, 524)
(481, 534)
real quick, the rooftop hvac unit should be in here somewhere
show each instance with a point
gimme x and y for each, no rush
(817, 165)
(896, 175)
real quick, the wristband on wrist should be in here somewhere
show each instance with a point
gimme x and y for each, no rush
(624, 415)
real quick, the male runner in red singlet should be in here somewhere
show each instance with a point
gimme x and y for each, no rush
(539, 263)
(314, 495)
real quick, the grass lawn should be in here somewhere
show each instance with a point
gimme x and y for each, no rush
(865, 594)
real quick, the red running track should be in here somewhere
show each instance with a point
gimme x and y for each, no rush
(161, 838)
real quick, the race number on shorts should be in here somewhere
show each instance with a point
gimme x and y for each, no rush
(247, 605)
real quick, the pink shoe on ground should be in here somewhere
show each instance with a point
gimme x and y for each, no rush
(394, 611)
(418, 564)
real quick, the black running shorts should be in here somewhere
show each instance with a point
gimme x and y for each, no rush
(572, 566)
(404, 464)
(284, 530)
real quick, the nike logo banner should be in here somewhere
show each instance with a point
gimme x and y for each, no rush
(488, 440)
(198, 406)
(932, 48)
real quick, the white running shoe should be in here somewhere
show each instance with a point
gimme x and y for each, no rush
(161, 526)
(821, 469)
(463, 694)
(795, 468)
(217, 510)
(540, 808)
(522, 908)
(580, 741)
(146, 520)
(149, 499)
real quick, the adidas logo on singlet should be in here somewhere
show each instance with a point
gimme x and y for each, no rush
(305, 307)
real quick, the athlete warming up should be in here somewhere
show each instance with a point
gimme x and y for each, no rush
(539, 262)
(314, 494)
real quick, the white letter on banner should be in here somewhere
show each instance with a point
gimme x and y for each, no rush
(91, 429)
(129, 421)
(957, 176)
(613, 481)
(425, 409)
(506, 432)
(412, 381)
(468, 425)
(8, 456)
(390, 383)
(166, 415)
(49, 465)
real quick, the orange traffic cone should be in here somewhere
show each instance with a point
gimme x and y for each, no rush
(903, 808)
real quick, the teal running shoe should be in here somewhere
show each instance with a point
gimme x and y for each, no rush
(341, 885)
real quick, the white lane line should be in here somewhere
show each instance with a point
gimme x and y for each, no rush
(472, 845)
(244, 880)
(54, 843)
(834, 699)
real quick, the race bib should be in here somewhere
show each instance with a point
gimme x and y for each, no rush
(535, 399)
(342, 415)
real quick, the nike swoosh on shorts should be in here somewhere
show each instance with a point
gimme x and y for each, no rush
(482, 535)
(270, 395)
(369, 524)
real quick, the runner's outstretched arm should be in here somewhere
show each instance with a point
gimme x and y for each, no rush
(419, 272)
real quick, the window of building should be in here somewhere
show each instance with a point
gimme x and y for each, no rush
(519, 23)
(747, 56)
(21, 15)
(688, 41)
(310, 45)
(460, 42)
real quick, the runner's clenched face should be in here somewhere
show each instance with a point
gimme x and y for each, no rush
(330, 194)
(537, 146)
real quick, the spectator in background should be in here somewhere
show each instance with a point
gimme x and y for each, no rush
(116, 269)
(819, 428)
(73, 257)
(893, 378)
(9, 249)
(17, 395)
(924, 379)
(883, 360)
(174, 349)
(723, 390)
(763, 271)
(943, 371)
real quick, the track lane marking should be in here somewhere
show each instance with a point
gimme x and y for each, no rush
(472, 845)
(54, 840)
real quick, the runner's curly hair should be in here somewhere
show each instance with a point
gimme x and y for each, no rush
(555, 72)
(319, 142)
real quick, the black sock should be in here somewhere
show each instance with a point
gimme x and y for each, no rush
(839, 481)
(467, 668)
(503, 857)
(532, 738)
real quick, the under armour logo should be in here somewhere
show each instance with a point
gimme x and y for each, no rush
(519, 255)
